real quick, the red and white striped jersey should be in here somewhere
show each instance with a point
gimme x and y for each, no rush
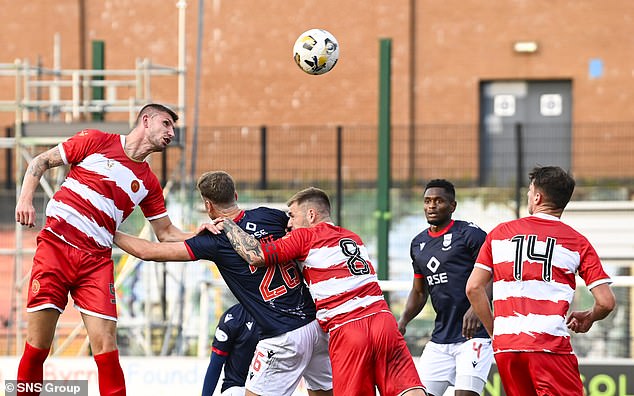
(336, 266)
(534, 261)
(100, 191)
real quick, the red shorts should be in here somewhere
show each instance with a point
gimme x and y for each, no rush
(539, 373)
(59, 268)
(368, 352)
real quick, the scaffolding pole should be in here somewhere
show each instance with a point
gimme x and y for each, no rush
(66, 106)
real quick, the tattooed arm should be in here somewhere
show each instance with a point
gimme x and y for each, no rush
(24, 210)
(246, 245)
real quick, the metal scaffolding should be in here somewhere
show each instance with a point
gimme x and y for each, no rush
(52, 103)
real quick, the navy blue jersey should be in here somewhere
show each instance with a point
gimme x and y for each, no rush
(445, 261)
(276, 296)
(236, 336)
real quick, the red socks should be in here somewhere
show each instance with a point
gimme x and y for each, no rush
(31, 368)
(111, 381)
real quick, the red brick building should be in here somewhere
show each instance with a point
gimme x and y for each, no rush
(445, 55)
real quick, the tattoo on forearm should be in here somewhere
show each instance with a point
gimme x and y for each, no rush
(244, 244)
(43, 162)
(37, 168)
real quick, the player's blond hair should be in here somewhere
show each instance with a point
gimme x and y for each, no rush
(315, 197)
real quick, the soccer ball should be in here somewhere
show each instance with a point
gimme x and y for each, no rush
(316, 51)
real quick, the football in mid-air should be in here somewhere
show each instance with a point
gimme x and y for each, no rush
(316, 51)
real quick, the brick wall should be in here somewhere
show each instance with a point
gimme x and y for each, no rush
(248, 76)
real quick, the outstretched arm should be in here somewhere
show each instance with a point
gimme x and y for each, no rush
(24, 210)
(246, 245)
(152, 251)
(166, 231)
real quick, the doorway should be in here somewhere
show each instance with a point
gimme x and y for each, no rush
(523, 124)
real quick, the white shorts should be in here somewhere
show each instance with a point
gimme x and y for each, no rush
(234, 391)
(280, 362)
(464, 365)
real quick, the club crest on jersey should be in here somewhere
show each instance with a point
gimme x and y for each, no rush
(135, 185)
(35, 286)
(446, 242)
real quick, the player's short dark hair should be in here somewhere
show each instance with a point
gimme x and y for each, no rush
(445, 185)
(218, 187)
(152, 108)
(554, 183)
(313, 195)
